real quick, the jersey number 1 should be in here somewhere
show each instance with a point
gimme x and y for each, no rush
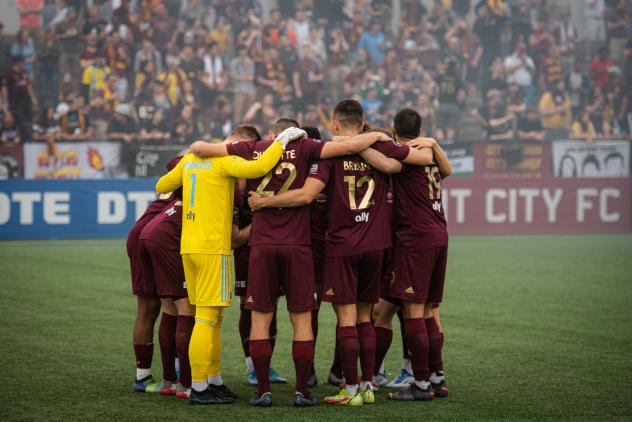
(193, 179)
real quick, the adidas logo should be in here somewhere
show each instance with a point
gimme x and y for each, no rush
(410, 290)
(250, 299)
(330, 292)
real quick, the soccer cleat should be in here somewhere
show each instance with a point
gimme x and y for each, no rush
(168, 388)
(440, 389)
(208, 397)
(335, 379)
(404, 379)
(222, 390)
(301, 401)
(413, 392)
(146, 385)
(264, 400)
(252, 379)
(275, 378)
(368, 396)
(312, 381)
(182, 392)
(343, 398)
(380, 380)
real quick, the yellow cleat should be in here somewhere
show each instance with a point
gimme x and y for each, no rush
(343, 398)
(368, 396)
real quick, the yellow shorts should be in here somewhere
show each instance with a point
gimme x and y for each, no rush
(209, 278)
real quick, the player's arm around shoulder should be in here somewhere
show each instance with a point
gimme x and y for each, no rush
(290, 199)
(438, 154)
(251, 169)
(352, 145)
(207, 149)
(173, 179)
(380, 161)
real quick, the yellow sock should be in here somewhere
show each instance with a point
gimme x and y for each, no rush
(200, 347)
(215, 363)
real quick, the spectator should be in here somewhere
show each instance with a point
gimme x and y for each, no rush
(187, 130)
(75, 124)
(598, 69)
(162, 27)
(426, 110)
(372, 106)
(495, 77)
(451, 94)
(242, 71)
(48, 65)
(618, 20)
(595, 29)
(520, 69)
(488, 27)
(494, 117)
(47, 127)
(173, 79)
(23, 46)
(263, 112)
(71, 48)
(144, 78)
(556, 107)
(118, 59)
(565, 36)
(583, 128)
(146, 54)
(427, 47)
(552, 68)
(577, 85)
(515, 99)
(374, 42)
(307, 80)
(94, 77)
(5, 52)
(155, 128)
(520, 21)
(270, 73)
(122, 127)
(9, 134)
(222, 121)
(96, 26)
(530, 126)
(337, 49)
(300, 26)
(19, 97)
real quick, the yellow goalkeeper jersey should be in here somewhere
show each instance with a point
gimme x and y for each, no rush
(208, 186)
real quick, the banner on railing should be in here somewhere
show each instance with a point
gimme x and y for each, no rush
(40, 209)
(594, 159)
(461, 158)
(11, 161)
(532, 206)
(149, 160)
(73, 160)
(512, 160)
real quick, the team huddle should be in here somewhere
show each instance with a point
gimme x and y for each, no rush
(357, 222)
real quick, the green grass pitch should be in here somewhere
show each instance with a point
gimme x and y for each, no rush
(537, 327)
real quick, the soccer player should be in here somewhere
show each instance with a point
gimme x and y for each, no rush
(243, 220)
(357, 235)
(281, 256)
(419, 260)
(147, 303)
(208, 189)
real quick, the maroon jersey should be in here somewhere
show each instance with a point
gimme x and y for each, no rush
(286, 226)
(419, 218)
(318, 218)
(358, 210)
(242, 217)
(166, 228)
(151, 211)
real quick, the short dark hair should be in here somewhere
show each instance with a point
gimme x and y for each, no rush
(370, 127)
(282, 124)
(312, 132)
(349, 113)
(246, 132)
(407, 123)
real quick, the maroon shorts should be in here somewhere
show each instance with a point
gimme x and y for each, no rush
(419, 275)
(241, 272)
(276, 267)
(167, 269)
(353, 279)
(140, 263)
(387, 278)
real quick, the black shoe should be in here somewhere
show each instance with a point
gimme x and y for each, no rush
(208, 397)
(312, 381)
(412, 392)
(264, 400)
(301, 401)
(440, 389)
(222, 390)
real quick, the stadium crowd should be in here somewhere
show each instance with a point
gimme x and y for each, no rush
(167, 71)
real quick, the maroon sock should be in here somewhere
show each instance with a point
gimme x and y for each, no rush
(383, 340)
(273, 330)
(315, 332)
(349, 353)
(144, 353)
(435, 340)
(303, 355)
(245, 321)
(167, 340)
(366, 335)
(402, 330)
(417, 338)
(335, 365)
(183, 337)
(261, 354)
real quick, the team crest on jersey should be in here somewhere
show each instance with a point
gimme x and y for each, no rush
(170, 211)
(410, 291)
(313, 169)
(330, 292)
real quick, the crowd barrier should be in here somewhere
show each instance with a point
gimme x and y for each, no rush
(83, 189)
